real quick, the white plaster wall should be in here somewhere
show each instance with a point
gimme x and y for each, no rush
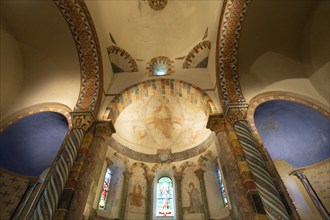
(48, 61)
(316, 47)
(304, 205)
(284, 46)
(213, 193)
(276, 72)
(11, 69)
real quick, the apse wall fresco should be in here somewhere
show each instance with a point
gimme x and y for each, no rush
(161, 122)
(293, 132)
(30, 145)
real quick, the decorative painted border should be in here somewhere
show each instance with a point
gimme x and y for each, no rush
(232, 17)
(117, 51)
(35, 109)
(153, 87)
(77, 16)
(152, 64)
(270, 96)
(153, 158)
(192, 54)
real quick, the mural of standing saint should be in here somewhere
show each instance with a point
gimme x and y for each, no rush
(195, 202)
(136, 197)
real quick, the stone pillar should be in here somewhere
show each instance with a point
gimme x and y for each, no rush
(200, 174)
(58, 175)
(271, 199)
(91, 171)
(127, 175)
(229, 155)
(178, 180)
(149, 195)
(301, 176)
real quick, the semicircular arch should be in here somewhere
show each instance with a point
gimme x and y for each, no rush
(154, 87)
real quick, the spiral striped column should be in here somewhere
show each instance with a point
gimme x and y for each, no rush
(271, 199)
(58, 175)
(53, 190)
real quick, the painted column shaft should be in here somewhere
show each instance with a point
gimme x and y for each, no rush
(90, 173)
(149, 196)
(271, 199)
(242, 207)
(178, 180)
(127, 175)
(58, 176)
(200, 174)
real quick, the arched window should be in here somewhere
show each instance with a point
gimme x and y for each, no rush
(222, 188)
(165, 203)
(105, 189)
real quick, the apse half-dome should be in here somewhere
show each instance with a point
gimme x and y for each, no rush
(30, 145)
(162, 114)
(293, 132)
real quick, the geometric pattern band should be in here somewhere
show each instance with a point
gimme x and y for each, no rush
(270, 197)
(229, 32)
(77, 16)
(60, 172)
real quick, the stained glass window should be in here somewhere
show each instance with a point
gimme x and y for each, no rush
(105, 189)
(222, 188)
(165, 205)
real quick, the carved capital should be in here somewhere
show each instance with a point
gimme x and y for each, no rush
(299, 174)
(127, 174)
(82, 119)
(178, 177)
(104, 129)
(236, 111)
(216, 123)
(149, 176)
(157, 4)
(200, 173)
(109, 162)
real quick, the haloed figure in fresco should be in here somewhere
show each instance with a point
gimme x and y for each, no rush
(136, 196)
(195, 202)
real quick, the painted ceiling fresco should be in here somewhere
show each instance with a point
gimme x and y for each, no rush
(161, 122)
(29, 146)
(293, 132)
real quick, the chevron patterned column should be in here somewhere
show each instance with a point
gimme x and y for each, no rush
(59, 172)
(271, 199)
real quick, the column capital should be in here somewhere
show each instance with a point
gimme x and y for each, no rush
(127, 174)
(109, 162)
(216, 123)
(199, 173)
(149, 176)
(236, 111)
(82, 119)
(104, 129)
(299, 174)
(178, 176)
